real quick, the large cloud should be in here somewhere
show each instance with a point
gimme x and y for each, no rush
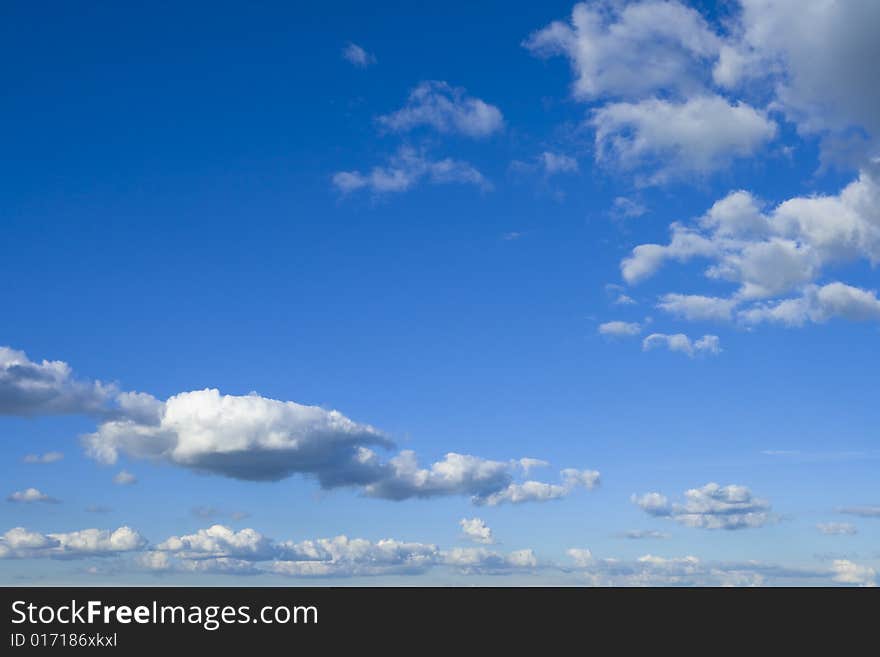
(710, 507)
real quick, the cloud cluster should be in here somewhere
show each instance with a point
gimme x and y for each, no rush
(255, 438)
(446, 109)
(666, 121)
(618, 328)
(710, 507)
(42, 459)
(19, 543)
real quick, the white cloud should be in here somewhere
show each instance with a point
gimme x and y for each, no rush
(407, 168)
(483, 561)
(476, 530)
(609, 43)
(357, 56)
(31, 495)
(678, 139)
(818, 304)
(48, 457)
(124, 478)
(708, 344)
(23, 544)
(847, 572)
(537, 491)
(342, 556)
(710, 507)
(697, 307)
(220, 541)
(446, 109)
(837, 528)
(619, 329)
(829, 95)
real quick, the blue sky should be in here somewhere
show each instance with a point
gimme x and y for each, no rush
(633, 241)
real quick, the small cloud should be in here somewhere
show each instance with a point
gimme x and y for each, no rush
(624, 208)
(708, 344)
(837, 529)
(31, 495)
(624, 300)
(357, 56)
(642, 534)
(861, 511)
(476, 530)
(619, 329)
(48, 457)
(513, 235)
(124, 478)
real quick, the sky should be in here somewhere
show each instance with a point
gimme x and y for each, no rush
(472, 294)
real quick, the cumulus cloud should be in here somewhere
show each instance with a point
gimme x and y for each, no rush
(485, 561)
(124, 478)
(831, 96)
(19, 543)
(676, 139)
(476, 530)
(48, 457)
(357, 56)
(404, 170)
(342, 556)
(837, 529)
(708, 344)
(847, 572)
(537, 491)
(817, 304)
(46, 388)
(31, 495)
(627, 208)
(620, 329)
(710, 507)
(608, 44)
(446, 109)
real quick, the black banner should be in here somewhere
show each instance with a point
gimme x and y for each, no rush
(406, 620)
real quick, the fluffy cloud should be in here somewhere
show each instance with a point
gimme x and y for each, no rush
(608, 44)
(219, 541)
(676, 139)
(768, 254)
(818, 304)
(708, 344)
(246, 437)
(446, 109)
(837, 529)
(832, 95)
(23, 544)
(618, 328)
(537, 491)
(847, 572)
(342, 556)
(404, 170)
(31, 495)
(485, 561)
(46, 388)
(697, 307)
(476, 530)
(357, 56)
(48, 457)
(710, 507)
